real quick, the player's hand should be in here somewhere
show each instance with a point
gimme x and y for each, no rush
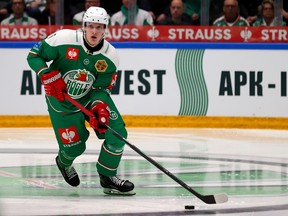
(54, 85)
(101, 119)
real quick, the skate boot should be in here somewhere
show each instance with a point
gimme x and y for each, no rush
(69, 174)
(113, 185)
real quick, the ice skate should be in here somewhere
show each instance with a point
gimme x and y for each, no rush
(113, 185)
(69, 174)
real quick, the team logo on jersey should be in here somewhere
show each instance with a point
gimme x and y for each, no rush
(101, 65)
(78, 82)
(72, 53)
(81, 75)
(69, 135)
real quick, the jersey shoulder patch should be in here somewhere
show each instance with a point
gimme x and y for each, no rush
(64, 37)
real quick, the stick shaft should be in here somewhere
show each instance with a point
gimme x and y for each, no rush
(209, 199)
(78, 105)
(156, 164)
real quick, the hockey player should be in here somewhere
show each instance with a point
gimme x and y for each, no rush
(84, 65)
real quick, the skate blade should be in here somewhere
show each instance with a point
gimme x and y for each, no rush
(114, 192)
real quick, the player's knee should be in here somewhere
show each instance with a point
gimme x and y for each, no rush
(76, 150)
(114, 141)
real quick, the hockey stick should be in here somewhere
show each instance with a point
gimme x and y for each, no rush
(208, 199)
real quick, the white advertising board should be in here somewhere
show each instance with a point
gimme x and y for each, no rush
(201, 82)
(246, 83)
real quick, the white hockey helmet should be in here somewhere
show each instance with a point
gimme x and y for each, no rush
(96, 15)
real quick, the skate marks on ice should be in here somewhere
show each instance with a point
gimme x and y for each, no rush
(249, 165)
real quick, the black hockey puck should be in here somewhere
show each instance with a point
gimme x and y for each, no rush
(189, 207)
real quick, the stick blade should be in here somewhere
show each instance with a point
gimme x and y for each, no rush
(221, 198)
(215, 199)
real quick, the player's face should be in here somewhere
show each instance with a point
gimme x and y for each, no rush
(94, 33)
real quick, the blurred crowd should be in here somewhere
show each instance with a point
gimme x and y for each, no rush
(148, 12)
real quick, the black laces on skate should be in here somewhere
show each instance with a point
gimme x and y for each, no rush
(70, 172)
(117, 180)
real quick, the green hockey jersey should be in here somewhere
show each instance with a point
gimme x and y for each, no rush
(86, 74)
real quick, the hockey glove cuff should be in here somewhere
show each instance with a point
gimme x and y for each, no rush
(54, 85)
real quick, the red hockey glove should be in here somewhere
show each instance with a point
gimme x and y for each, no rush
(54, 85)
(101, 119)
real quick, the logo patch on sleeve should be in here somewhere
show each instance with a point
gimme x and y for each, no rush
(101, 66)
(72, 53)
(69, 135)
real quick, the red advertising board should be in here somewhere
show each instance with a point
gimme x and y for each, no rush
(159, 33)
